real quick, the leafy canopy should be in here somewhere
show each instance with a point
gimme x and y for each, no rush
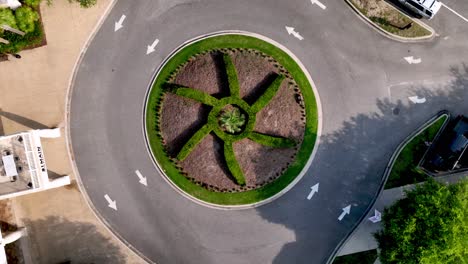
(7, 18)
(26, 18)
(429, 226)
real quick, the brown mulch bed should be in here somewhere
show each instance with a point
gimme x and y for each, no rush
(7, 224)
(283, 116)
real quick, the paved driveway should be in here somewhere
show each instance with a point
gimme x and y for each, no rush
(355, 70)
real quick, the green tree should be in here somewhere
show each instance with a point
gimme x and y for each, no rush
(7, 18)
(429, 226)
(26, 18)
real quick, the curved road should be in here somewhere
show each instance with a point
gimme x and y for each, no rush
(363, 82)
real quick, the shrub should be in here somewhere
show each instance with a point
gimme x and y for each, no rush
(7, 18)
(429, 226)
(26, 18)
(193, 141)
(232, 75)
(18, 42)
(32, 3)
(232, 120)
(86, 3)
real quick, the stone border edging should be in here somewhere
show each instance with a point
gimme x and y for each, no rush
(391, 35)
(68, 143)
(306, 166)
(386, 173)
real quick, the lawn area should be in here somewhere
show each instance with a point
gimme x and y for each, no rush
(405, 169)
(237, 198)
(364, 257)
(390, 19)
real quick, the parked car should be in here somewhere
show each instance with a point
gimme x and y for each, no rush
(425, 8)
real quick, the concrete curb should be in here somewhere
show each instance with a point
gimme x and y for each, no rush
(391, 35)
(386, 173)
(309, 161)
(68, 142)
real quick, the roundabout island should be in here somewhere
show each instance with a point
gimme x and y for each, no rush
(231, 120)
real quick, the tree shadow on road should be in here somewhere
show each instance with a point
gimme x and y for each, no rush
(349, 166)
(56, 240)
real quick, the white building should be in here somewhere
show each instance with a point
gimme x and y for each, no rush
(13, 4)
(23, 168)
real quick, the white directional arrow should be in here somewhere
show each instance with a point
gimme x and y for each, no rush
(376, 218)
(317, 2)
(111, 204)
(313, 190)
(346, 211)
(151, 47)
(412, 60)
(142, 179)
(294, 33)
(417, 99)
(119, 24)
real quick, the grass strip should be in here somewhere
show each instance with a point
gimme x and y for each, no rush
(193, 94)
(193, 141)
(271, 141)
(232, 163)
(405, 170)
(269, 93)
(243, 42)
(234, 88)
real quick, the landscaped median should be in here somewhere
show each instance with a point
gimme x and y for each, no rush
(405, 168)
(231, 119)
(390, 20)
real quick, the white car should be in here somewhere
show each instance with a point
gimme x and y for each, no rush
(425, 8)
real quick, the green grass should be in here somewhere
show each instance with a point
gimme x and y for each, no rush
(392, 22)
(405, 169)
(246, 197)
(364, 257)
(271, 141)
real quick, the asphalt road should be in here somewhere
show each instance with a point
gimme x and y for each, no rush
(361, 77)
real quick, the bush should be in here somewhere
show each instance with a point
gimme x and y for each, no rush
(429, 226)
(193, 94)
(86, 3)
(32, 3)
(26, 18)
(18, 42)
(7, 18)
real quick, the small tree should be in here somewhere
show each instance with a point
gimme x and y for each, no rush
(7, 18)
(429, 226)
(26, 18)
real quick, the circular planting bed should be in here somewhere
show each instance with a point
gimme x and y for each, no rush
(231, 119)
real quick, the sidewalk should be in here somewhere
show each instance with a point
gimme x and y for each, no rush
(61, 226)
(362, 239)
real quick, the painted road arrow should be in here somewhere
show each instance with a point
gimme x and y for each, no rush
(314, 189)
(119, 24)
(142, 179)
(151, 47)
(417, 99)
(294, 33)
(317, 2)
(111, 204)
(412, 60)
(346, 211)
